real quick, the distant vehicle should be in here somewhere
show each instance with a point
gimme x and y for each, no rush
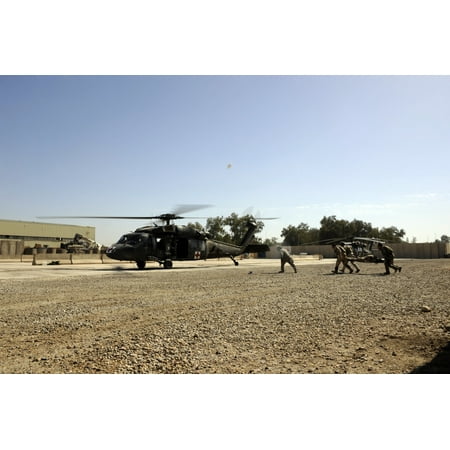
(168, 242)
(81, 244)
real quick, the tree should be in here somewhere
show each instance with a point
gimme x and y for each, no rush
(196, 225)
(391, 234)
(271, 241)
(231, 229)
(331, 228)
(359, 228)
(290, 235)
(301, 234)
(215, 226)
(239, 226)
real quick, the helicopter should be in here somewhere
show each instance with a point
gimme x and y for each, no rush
(167, 242)
(362, 248)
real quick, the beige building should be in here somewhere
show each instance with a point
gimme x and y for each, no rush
(16, 236)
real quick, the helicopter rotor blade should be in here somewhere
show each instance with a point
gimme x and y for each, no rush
(183, 209)
(180, 209)
(98, 217)
(163, 218)
(257, 216)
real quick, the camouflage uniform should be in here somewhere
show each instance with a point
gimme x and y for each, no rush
(350, 257)
(388, 256)
(286, 258)
(341, 258)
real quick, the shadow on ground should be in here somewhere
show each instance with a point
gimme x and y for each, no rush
(439, 364)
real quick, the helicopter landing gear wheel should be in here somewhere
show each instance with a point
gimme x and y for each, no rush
(140, 264)
(167, 264)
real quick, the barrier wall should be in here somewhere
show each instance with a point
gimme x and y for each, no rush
(69, 258)
(416, 251)
(10, 248)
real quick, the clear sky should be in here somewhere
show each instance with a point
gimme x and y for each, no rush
(374, 148)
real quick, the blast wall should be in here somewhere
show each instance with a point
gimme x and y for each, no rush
(416, 251)
(11, 248)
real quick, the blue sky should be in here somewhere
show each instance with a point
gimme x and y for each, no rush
(373, 148)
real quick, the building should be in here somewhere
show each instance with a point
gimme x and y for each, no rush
(18, 236)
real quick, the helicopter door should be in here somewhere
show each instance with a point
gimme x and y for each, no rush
(182, 248)
(197, 249)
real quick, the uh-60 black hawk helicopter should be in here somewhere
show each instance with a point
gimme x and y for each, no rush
(168, 242)
(362, 248)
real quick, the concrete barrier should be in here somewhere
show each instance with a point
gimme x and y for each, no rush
(416, 251)
(11, 248)
(69, 258)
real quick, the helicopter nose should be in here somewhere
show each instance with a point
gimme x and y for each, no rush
(120, 252)
(112, 252)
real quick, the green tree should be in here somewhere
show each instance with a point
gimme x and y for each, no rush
(239, 226)
(215, 226)
(231, 229)
(271, 241)
(359, 228)
(290, 235)
(331, 228)
(391, 234)
(301, 234)
(196, 225)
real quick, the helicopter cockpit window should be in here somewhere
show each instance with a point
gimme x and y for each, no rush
(131, 239)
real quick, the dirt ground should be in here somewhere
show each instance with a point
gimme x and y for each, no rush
(212, 317)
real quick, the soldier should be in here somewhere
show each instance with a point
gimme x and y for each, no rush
(286, 258)
(350, 256)
(341, 257)
(388, 255)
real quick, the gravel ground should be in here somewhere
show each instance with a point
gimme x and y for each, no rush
(212, 317)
